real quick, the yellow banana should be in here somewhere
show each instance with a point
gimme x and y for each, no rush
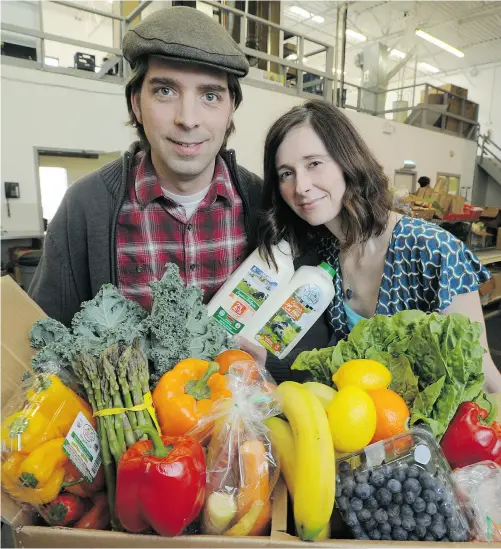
(282, 441)
(315, 471)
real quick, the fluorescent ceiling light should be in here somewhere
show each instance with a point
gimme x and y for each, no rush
(428, 68)
(293, 57)
(439, 43)
(356, 35)
(300, 13)
(397, 53)
(305, 14)
(51, 61)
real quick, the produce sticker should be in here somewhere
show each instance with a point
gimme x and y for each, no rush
(82, 447)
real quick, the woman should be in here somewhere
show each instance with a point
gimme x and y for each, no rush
(324, 188)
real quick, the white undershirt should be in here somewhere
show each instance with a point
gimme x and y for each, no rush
(189, 203)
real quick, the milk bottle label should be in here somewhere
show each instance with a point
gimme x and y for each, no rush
(295, 316)
(244, 300)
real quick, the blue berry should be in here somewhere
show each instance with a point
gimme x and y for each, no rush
(428, 495)
(412, 485)
(385, 528)
(399, 534)
(423, 519)
(387, 471)
(420, 531)
(429, 537)
(419, 505)
(408, 523)
(383, 495)
(377, 479)
(351, 519)
(394, 486)
(370, 524)
(410, 497)
(348, 487)
(375, 534)
(371, 503)
(438, 529)
(381, 515)
(406, 511)
(393, 510)
(453, 522)
(413, 537)
(342, 502)
(398, 498)
(446, 508)
(427, 480)
(395, 521)
(386, 537)
(356, 504)
(400, 474)
(363, 491)
(344, 468)
(460, 534)
(364, 515)
(431, 508)
(359, 533)
(413, 471)
(361, 478)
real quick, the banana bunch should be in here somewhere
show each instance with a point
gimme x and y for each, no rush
(306, 454)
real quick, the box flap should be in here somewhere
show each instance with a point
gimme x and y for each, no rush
(19, 312)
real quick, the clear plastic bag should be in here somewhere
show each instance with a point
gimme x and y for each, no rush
(44, 426)
(241, 467)
(479, 486)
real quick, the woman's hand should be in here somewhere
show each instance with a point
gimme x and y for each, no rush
(258, 353)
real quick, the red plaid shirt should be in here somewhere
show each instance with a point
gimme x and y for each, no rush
(153, 230)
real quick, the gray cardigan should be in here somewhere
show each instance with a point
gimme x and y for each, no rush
(80, 252)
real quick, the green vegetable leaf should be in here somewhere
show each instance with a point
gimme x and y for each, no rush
(404, 381)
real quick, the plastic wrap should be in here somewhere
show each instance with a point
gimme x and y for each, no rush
(241, 467)
(50, 451)
(400, 489)
(479, 486)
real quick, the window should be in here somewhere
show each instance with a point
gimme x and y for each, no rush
(53, 185)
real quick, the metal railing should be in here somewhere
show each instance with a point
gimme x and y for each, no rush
(291, 75)
(487, 147)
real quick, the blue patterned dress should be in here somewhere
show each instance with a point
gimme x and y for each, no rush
(425, 268)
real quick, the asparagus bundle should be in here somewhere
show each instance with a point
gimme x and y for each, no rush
(117, 379)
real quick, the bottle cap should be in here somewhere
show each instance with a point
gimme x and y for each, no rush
(324, 265)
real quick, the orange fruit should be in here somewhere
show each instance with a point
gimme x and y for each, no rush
(392, 413)
(231, 356)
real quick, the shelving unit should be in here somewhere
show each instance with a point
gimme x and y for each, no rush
(488, 257)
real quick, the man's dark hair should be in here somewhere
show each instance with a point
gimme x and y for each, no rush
(135, 84)
(424, 181)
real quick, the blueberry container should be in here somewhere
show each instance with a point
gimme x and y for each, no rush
(401, 489)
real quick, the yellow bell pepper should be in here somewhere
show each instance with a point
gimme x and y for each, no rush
(58, 401)
(34, 496)
(40, 465)
(25, 430)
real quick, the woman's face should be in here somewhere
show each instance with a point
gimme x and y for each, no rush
(310, 181)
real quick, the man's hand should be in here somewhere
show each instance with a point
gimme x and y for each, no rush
(258, 353)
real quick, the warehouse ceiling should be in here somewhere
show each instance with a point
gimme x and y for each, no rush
(473, 27)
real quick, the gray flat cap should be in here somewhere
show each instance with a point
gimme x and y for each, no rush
(185, 34)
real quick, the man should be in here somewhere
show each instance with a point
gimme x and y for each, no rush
(177, 195)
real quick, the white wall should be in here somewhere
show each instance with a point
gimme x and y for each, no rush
(432, 151)
(41, 109)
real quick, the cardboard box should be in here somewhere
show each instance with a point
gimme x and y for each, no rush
(19, 312)
(456, 90)
(457, 204)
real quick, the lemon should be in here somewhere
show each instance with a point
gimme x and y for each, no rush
(364, 373)
(352, 419)
(323, 392)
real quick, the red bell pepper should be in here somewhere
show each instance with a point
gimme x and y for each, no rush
(160, 484)
(469, 439)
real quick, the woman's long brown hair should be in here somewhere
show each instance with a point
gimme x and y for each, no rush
(366, 202)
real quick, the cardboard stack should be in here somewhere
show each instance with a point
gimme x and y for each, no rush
(457, 103)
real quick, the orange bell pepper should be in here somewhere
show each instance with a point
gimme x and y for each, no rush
(186, 394)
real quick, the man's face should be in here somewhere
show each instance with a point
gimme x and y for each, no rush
(185, 111)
